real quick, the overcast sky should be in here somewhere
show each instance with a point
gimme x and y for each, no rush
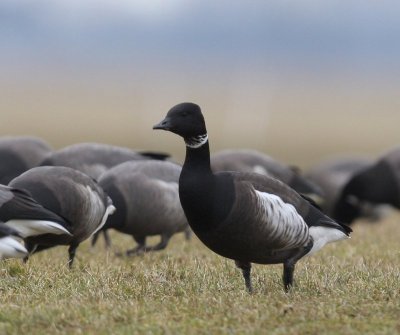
(363, 34)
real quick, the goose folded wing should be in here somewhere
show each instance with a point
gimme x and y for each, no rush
(21, 206)
(307, 209)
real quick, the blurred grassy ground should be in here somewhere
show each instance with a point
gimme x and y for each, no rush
(351, 287)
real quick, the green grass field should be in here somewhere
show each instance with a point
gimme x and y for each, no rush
(352, 287)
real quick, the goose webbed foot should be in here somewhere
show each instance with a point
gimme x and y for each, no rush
(246, 271)
(161, 245)
(142, 248)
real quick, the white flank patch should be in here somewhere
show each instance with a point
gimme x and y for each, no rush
(197, 141)
(110, 210)
(28, 228)
(323, 235)
(284, 223)
(11, 248)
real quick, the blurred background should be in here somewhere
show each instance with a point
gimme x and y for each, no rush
(299, 80)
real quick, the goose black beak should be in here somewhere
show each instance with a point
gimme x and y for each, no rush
(163, 125)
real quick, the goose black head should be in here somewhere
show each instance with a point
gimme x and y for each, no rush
(185, 120)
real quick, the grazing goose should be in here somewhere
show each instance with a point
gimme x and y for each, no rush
(332, 174)
(18, 154)
(9, 246)
(70, 194)
(145, 194)
(246, 160)
(247, 217)
(378, 183)
(96, 158)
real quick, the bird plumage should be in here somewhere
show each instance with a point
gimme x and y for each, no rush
(247, 160)
(21, 212)
(146, 196)
(9, 246)
(20, 153)
(73, 196)
(95, 158)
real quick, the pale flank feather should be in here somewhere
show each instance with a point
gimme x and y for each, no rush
(283, 221)
(28, 228)
(11, 248)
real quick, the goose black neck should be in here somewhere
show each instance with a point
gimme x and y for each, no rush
(197, 160)
(206, 198)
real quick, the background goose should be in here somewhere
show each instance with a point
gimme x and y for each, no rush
(96, 158)
(378, 183)
(247, 217)
(9, 246)
(247, 160)
(332, 174)
(70, 194)
(20, 153)
(145, 194)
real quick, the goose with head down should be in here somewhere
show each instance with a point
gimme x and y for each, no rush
(145, 194)
(71, 195)
(247, 217)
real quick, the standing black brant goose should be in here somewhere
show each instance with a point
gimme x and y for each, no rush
(72, 195)
(247, 217)
(145, 194)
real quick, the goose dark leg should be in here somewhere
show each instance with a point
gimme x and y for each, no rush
(288, 270)
(94, 239)
(160, 246)
(246, 270)
(140, 248)
(31, 247)
(71, 252)
(107, 239)
(289, 265)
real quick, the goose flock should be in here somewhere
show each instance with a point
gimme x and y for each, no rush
(241, 203)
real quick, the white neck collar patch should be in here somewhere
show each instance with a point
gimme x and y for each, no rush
(196, 141)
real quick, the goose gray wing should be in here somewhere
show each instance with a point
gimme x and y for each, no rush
(282, 208)
(268, 221)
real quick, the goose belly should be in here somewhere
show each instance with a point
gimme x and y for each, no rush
(243, 248)
(268, 231)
